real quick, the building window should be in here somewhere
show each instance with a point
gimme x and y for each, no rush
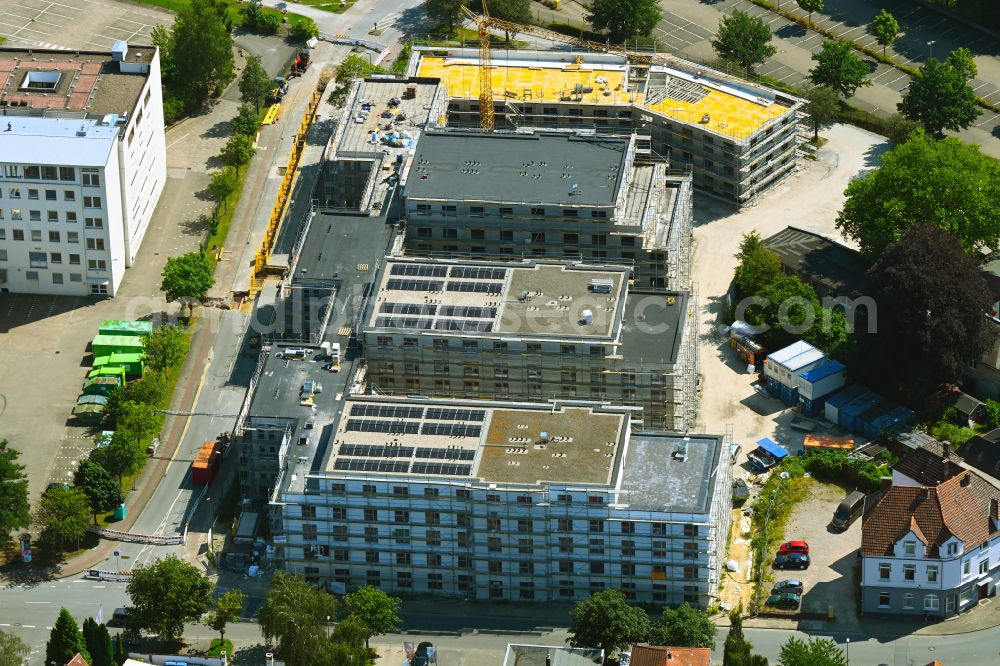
(909, 548)
(884, 570)
(57, 278)
(628, 548)
(495, 566)
(97, 265)
(67, 174)
(966, 567)
(909, 572)
(35, 215)
(32, 193)
(92, 202)
(953, 548)
(77, 277)
(596, 526)
(565, 524)
(371, 515)
(883, 600)
(72, 237)
(95, 243)
(53, 236)
(52, 215)
(526, 568)
(93, 223)
(371, 535)
(38, 260)
(51, 195)
(984, 567)
(931, 602)
(565, 544)
(404, 579)
(908, 601)
(628, 569)
(492, 524)
(56, 257)
(524, 525)
(36, 235)
(932, 573)
(597, 567)
(950, 603)
(565, 566)
(30, 275)
(309, 532)
(308, 511)
(433, 537)
(403, 557)
(401, 516)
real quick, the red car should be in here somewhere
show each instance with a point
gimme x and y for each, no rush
(794, 547)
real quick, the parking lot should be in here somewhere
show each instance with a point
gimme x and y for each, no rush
(830, 579)
(77, 24)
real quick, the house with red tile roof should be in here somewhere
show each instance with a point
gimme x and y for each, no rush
(660, 655)
(930, 540)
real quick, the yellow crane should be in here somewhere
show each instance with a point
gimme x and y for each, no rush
(485, 22)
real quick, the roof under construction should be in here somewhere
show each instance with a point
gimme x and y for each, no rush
(556, 168)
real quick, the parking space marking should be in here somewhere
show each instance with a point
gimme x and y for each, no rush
(988, 120)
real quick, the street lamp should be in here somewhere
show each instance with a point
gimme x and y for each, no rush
(930, 48)
(327, 627)
(848, 652)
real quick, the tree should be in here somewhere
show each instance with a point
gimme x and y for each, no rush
(151, 389)
(166, 595)
(961, 60)
(606, 621)
(164, 40)
(946, 183)
(683, 626)
(293, 607)
(13, 651)
(224, 182)
(98, 642)
(811, 652)
(824, 105)
(840, 68)
(885, 27)
(743, 39)
(354, 67)
(165, 348)
(63, 514)
(374, 610)
(789, 311)
(119, 649)
(246, 121)
(15, 511)
(140, 420)
(624, 19)
(238, 151)
(750, 243)
(305, 29)
(102, 491)
(187, 278)
(227, 609)
(65, 640)
(931, 319)
(738, 649)
(811, 6)
(123, 456)
(444, 13)
(831, 332)
(758, 270)
(939, 97)
(514, 11)
(992, 413)
(254, 84)
(202, 51)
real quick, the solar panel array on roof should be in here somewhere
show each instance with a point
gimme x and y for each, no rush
(450, 469)
(462, 325)
(414, 285)
(376, 451)
(367, 465)
(467, 311)
(418, 270)
(407, 309)
(419, 323)
(445, 454)
(395, 427)
(387, 411)
(449, 414)
(478, 273)
(450, 429)
(475, 287)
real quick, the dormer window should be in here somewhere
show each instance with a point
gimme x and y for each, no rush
(953, 548)
(910, 548)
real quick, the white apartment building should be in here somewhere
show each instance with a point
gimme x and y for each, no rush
(82, 166)
(931, 540)
(510, 501)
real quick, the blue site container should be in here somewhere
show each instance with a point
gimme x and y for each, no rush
(898, 417)
(865, 423)
(849, 413)
(815, 407)
(786, 394)
(838, 399)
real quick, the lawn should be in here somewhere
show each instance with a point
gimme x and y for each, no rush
(326, 5)
(232, 8)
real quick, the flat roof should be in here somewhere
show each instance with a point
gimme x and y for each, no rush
(796, 355)
(56, 141)
(490, 299)
(375, 94)
(87, 83)
(663, 472)
(556, 168)
(336, 244)
(836, 267)
(653, 327)
(683, 91)
(490, 441)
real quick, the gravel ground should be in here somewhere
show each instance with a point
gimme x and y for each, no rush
(810, 199)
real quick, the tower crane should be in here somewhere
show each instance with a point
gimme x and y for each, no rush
(483, 25)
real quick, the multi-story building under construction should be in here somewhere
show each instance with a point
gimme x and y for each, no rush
(531, 330)
(549, 193)
(739, 138)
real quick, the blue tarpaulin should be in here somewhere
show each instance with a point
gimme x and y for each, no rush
(771, 447)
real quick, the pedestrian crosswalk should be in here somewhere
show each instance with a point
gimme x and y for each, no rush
(388, 19)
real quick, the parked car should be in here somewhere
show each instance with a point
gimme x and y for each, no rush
(791, 561)
(794, 547)
(786, 601)
(784, 586)
(848, 511)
